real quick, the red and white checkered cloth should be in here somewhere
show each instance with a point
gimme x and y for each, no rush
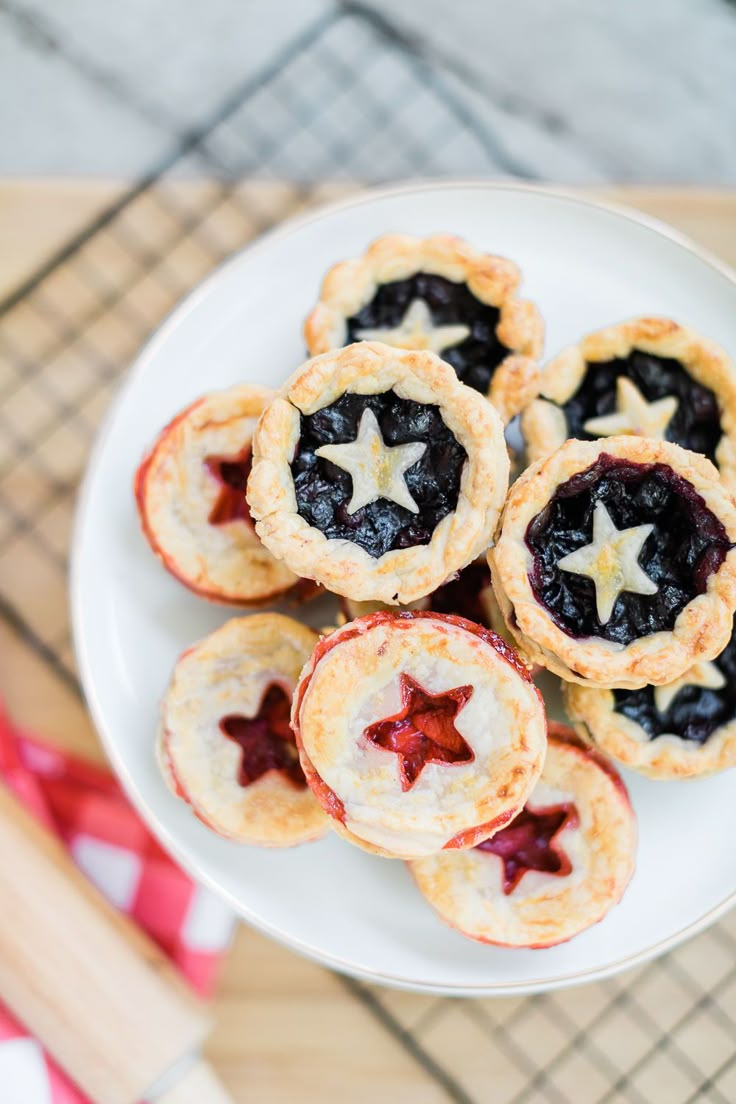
(84, 805)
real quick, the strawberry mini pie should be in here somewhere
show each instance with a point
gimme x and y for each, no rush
(555, 870)
(190, 491)
(225, 743)
(418, 731)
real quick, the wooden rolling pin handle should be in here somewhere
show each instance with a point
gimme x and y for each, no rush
(197, 1086)
(91, 986)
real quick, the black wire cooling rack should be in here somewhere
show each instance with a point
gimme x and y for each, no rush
(350, 102)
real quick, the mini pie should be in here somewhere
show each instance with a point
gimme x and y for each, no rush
(441, 294)
(418, 732)
(190, 491)
(555, 870)
(681, 730)
(648, 377)
(615, 565)
(377, 473)
(225, 745)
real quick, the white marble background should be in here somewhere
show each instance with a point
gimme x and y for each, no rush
(570, 90)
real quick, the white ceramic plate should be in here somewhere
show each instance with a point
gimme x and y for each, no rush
(585, 266)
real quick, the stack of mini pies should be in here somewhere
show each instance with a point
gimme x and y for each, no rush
(379, 472)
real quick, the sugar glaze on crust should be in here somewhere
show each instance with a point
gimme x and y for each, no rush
(701, 630)
(352, 681)
(350, 285)
(176, 493)
(666, 757)
(226, 675)
(400, 575)
(466, 887)
(543, 422)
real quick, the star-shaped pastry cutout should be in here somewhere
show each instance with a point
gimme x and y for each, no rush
(266, 740)
(705, 675)
(423, 731)
(611, 561)
(531, 842)
(232, 473)
(376, 469)
(634, 415)
(416, 330)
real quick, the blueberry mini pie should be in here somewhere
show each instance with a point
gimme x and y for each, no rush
(615, 565)
(418, 732)
(377, 473)
(555, 870)
(225, 743)
(684, 729)
(440, 294)
(648, 377)
(190, 491)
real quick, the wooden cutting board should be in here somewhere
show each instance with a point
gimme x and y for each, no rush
(286, 1030)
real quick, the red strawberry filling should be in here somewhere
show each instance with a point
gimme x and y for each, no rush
(266, 741)
(423, 731)
(232, 473)
(530, 843)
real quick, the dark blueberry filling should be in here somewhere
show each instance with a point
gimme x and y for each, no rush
(323, 491)
(687, 545)
(462, 595)
(694, 714)
(475, 359)
(696, 424)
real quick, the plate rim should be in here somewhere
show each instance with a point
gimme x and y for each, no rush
(192, 865)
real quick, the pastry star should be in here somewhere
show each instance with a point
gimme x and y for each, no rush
(634, 415)
(530, 843)
(417, 331)
(376, 469)
(706, 675)
(423, 731)
(611, 561)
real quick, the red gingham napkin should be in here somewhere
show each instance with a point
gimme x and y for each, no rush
(84, 805)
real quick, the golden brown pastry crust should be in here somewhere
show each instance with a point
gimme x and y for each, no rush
(350, 285)
(465, 887)
(403, 575)
(701, 630)
(666, 757)
(176, 492)
(544, 425)
(352, 681)
(226, 674)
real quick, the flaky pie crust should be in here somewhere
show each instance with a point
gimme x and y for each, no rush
(544, 425)
(596, 721)
(544, 910)
(701, 630)
(352, 681)
(175, 494)
(403, 575)
(350, 285)
(227, 673)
